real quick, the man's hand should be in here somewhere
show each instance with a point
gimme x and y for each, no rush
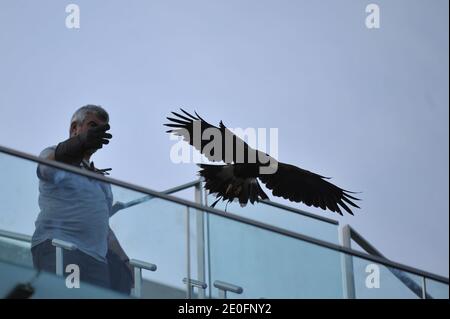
(73, 150)
(95, 137)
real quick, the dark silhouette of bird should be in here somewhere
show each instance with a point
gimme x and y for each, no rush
(244, 166)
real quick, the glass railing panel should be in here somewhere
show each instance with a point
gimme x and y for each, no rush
(374, 281)
(46, 285)
(19, 192)
(267, 264)
(270, 265)
(436, 289)
(16, 251)
(282, 218)
(152, 231)
(11, 274)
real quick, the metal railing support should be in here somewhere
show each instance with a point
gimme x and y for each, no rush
(200, 238)
(348, 276)
(225, 286)
(192, 283)
(138, 265)
(188, 254)
(60, 245)
(424, 288)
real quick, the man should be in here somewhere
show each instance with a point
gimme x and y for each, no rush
(77, 209)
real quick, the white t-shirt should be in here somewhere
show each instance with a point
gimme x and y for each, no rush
(74, 208)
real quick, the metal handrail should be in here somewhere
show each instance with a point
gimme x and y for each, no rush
(264, 201)
(223, 214)
(300, 212)
(15, 236)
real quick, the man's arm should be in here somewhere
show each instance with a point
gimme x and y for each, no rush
(46, 172)
(114, 246)
(72, 150)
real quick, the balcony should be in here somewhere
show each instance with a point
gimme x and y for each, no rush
(185, 249)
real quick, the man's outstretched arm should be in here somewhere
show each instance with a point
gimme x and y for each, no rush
(72, 150)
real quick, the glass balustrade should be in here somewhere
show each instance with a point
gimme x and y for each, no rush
(267, 264)
(437, 289)
(315, 226)
(219, 249)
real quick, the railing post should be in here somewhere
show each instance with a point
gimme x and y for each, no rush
(200, 238)
(188, 254)
(207, 248)
(424, 288)
(138, 265)
(60, 245)
(191, 283)
(225, 286)
(348, 277)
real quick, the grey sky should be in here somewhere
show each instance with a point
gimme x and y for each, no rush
(367, 107)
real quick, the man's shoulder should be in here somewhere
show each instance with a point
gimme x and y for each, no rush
(47, 151)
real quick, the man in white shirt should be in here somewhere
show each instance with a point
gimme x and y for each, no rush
(77, 209)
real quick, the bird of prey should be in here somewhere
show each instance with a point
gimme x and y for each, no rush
(238, 178)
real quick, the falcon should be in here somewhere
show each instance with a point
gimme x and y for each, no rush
(238, 179)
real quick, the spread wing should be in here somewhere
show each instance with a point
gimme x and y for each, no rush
(216, 143)
(299, 185)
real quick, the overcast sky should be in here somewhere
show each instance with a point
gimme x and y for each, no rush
(368, 107)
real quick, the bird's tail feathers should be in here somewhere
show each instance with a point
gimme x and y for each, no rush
(221, 181)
